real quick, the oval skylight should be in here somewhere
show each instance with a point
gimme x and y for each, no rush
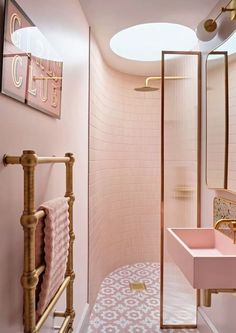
(144, 42)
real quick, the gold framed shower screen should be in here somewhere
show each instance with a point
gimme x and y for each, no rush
(180, 178)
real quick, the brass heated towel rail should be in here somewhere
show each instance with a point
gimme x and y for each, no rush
(29, 219)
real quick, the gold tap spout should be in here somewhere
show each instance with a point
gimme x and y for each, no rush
(223, 221)
(231, 223)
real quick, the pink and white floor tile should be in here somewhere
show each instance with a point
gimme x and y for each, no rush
(118, 309)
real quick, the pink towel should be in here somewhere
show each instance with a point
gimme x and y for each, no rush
(52, 244)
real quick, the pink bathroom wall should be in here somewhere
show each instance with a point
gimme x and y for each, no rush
(21, 127)
(124, 173)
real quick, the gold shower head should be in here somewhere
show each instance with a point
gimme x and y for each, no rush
(146, 89)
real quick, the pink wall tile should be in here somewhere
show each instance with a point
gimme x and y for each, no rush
(124, 175)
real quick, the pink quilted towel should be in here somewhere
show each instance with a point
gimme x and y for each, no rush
(52, 244)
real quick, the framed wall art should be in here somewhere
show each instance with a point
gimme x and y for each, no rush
(31, 69)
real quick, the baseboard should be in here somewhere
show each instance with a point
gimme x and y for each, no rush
(84, 320)
(207, 321)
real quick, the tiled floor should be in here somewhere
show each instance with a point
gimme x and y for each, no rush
(120, 310)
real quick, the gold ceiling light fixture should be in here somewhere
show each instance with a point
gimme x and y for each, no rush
(148, 88)
(207, 29)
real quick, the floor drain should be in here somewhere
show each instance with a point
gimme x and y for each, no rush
(137, 286)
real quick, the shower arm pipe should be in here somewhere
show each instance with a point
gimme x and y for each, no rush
(150, 78)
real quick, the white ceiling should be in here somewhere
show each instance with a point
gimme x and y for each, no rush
(107, 17)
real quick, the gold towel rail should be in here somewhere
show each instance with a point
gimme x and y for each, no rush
(40, 270)
(59, 314)
(29, 219)
(64, 324)
(52, 304)
(53, 159)
(38, 160)
(40, 213)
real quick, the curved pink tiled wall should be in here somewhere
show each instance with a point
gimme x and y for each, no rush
(124, 174)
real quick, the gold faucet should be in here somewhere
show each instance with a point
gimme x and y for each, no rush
(207, 293)
(230, 222)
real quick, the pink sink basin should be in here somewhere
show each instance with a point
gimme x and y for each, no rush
(206, 257)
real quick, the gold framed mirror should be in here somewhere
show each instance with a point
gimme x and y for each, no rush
(217, 120)
(221, 116)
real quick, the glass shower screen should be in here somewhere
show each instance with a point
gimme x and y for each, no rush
(180, 189)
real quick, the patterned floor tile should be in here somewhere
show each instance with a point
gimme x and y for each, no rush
(121, 310)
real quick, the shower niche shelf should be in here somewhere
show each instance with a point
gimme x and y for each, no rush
(183, 192)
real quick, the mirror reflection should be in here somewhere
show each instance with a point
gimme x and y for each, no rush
(221, 116)
(217, 110)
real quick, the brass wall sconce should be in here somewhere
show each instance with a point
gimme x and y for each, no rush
(207, 29)
(147, 88)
